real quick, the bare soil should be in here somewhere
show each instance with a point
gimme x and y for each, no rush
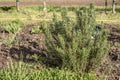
(110, 67)
(60, 2)
(27, 44)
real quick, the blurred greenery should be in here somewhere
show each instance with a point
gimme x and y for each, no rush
(32, 14)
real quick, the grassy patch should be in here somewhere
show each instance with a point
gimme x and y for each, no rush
(35, 13)
(21, 71)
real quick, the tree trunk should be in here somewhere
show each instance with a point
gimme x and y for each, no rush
(17, 5)
(113, 6)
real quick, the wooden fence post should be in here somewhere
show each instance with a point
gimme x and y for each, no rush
(113, 6)
(45, 8)
(106, 4)
(17, 5)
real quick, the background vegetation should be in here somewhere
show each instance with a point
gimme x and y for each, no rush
(34, 14)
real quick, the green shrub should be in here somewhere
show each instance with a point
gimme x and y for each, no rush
(56, 74)
(13, 26)
(36, 30)
(15, 71)
(76, 42)
(9, 41)
(21, 71)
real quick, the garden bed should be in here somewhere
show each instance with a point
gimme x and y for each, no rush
(28, 44)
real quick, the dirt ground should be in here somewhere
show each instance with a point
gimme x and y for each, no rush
(28, 44)
(61, 2)
(111, 64)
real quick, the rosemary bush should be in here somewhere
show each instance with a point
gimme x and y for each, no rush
(79, 44)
